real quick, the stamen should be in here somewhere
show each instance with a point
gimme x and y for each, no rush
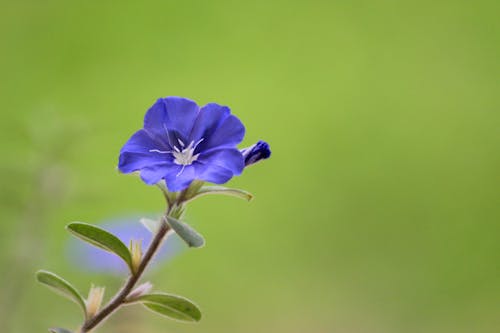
(168, 136)
(198, 142)
(160, 151)
(182, 156)
(180, 172)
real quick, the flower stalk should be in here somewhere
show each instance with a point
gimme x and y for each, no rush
(120, 298)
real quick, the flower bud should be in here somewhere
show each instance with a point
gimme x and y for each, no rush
(94, 301)
(136, 252)
(256, 152)
(139, 291)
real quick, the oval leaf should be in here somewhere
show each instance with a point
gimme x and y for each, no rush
(60, 286)
(233, 192)
(59, 330)
(101, 238)
(188, 234)
(172, 306)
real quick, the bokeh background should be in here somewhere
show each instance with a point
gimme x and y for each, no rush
(378, 212)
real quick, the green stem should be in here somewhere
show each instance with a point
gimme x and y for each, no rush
(120, 298)
(175, 202)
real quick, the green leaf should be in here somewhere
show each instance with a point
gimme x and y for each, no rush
(59, 330)
(101, 238)
(172, 306)
(188, 234)
(233, 192)
(60, 286)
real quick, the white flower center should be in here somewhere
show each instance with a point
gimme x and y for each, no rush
(185, 156)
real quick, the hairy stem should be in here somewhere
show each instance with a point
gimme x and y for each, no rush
(119, 299)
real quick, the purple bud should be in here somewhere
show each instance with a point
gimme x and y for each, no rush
(256, 152)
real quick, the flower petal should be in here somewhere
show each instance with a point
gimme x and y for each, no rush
(209, 118)
(175, 114)
(230, 159)
(141, 142)
(153, 174)
(181, 178)
(136, 154)
(130, 162)
(213, 173)
(228, 134)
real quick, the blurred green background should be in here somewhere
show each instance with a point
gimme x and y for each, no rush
(378, 212)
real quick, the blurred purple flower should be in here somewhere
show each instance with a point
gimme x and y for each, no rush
(89, 258)
(181, 142)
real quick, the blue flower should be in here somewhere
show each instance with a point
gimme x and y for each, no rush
(256, 152)
(181, 142)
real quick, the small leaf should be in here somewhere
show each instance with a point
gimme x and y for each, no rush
(60, 286)
(188, 234)
(233, 192)
(172, 306)
(151, 225)
(100, 238)
(59, 330)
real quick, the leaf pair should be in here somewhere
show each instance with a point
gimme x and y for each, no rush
(109, 242)
(172, 306)
(97, 237)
